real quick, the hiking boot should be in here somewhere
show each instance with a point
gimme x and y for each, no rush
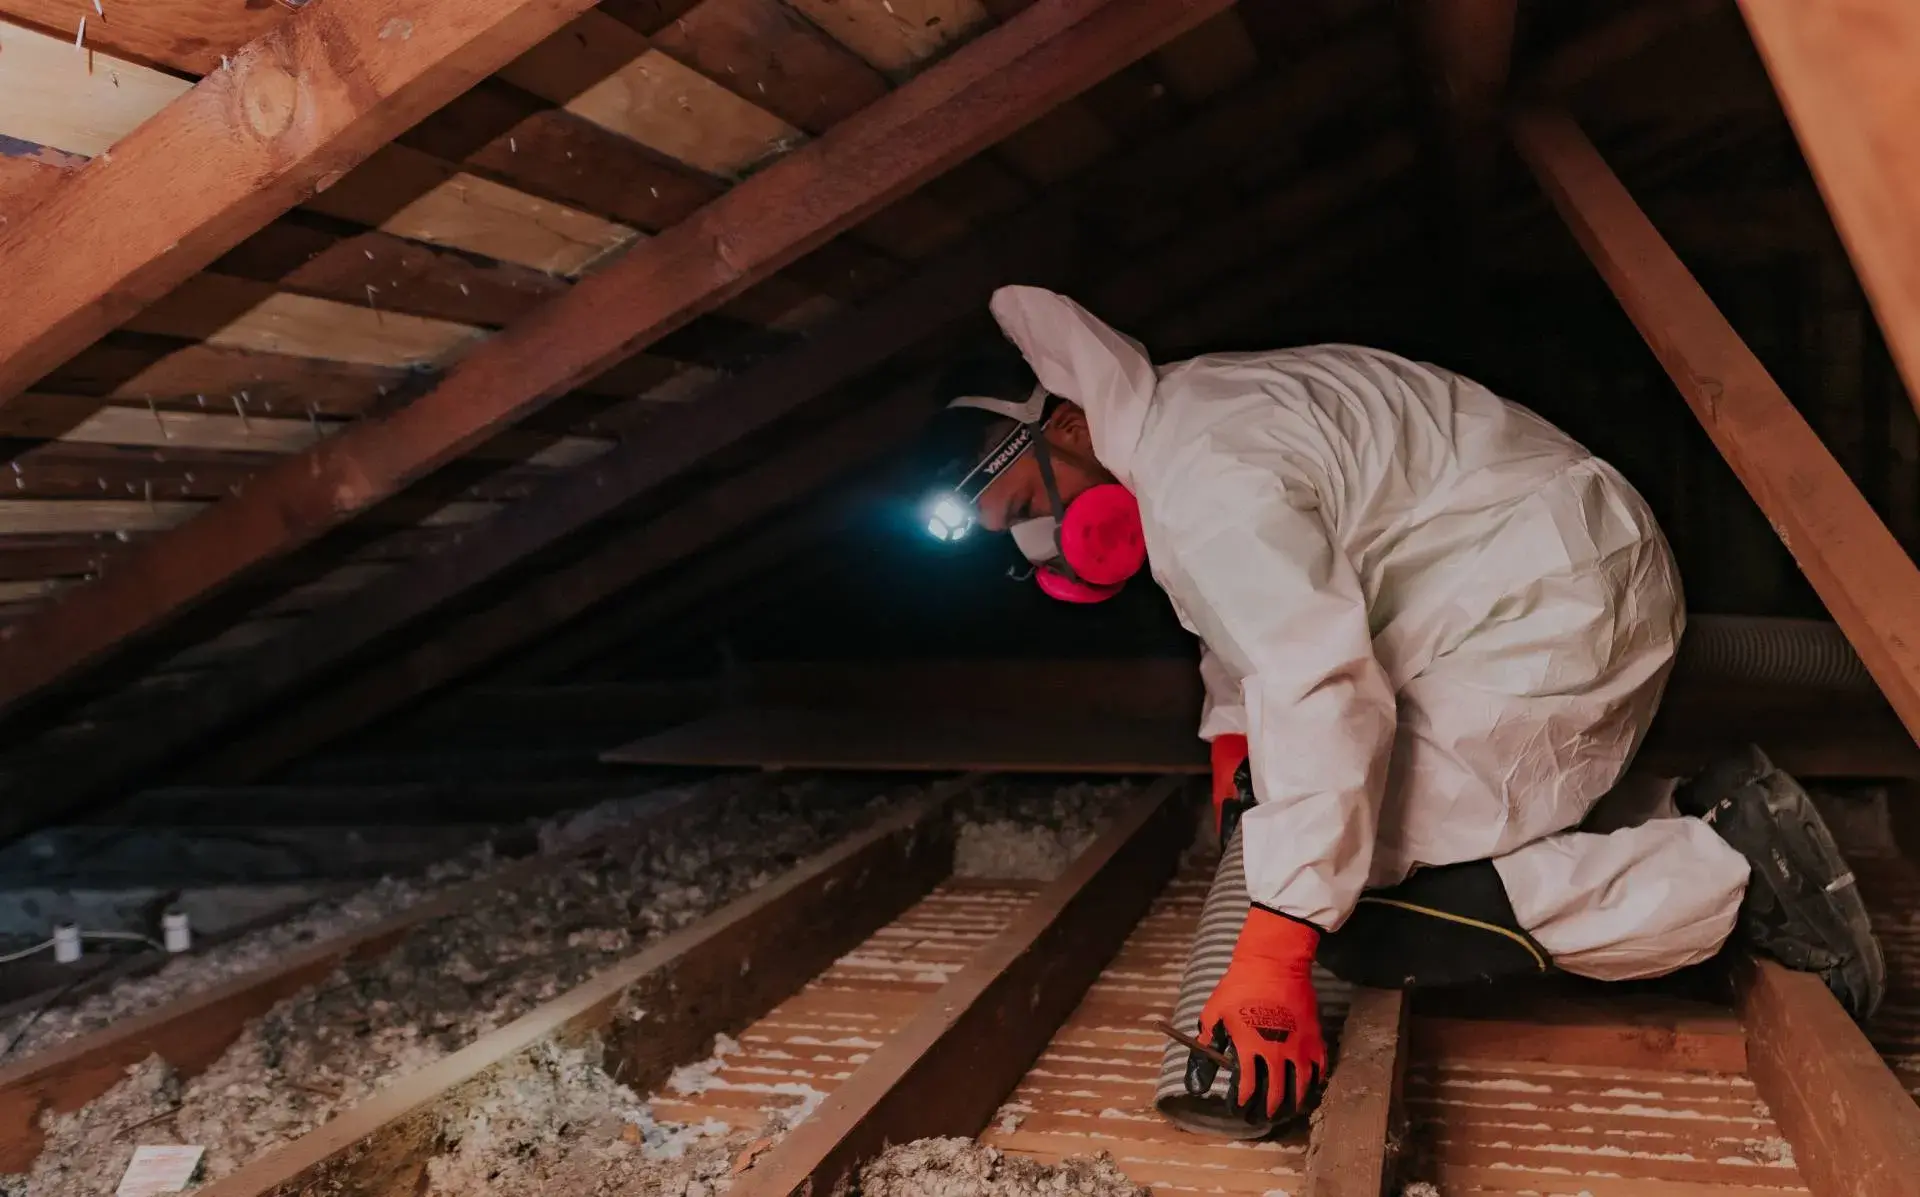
(1802, 907)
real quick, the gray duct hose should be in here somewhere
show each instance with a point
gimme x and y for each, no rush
(1220, 921)
(1754, 649)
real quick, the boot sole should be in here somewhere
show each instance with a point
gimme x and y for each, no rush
(1798, 846)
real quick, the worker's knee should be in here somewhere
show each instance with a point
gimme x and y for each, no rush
(1451, 925)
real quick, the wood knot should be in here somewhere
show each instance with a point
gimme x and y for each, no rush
(268, 97)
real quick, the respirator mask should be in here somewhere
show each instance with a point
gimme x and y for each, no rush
(1083, 552)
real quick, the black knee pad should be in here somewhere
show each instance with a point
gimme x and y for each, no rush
(1450, 925)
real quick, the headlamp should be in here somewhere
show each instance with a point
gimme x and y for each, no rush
(949, 518)
(951, 512)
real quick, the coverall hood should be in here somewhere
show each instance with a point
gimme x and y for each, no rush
(1077, 356)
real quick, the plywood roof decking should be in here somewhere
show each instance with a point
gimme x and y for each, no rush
(1259, 158)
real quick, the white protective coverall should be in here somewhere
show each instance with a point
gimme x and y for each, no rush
(1442, 625)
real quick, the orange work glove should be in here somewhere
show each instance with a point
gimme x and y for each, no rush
(1229, 753)
(1265, 1014)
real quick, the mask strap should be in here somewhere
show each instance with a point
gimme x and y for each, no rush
(1044, 458)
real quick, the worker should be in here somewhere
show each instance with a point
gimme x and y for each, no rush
(1434, 630)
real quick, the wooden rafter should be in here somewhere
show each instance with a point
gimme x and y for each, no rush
(1034, 242)
(1466, 51)
(561, 594)
(1845, 71)
(291, 114)
(1612, 43)
(965, 103)
(602, 635)
(1859, 571)
(88, 768)
(1034, 247)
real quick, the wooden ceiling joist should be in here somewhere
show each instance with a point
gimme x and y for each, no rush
(960, 106)
(1847, 79)
(1867, 581)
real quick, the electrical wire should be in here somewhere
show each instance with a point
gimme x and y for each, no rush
(23, 953)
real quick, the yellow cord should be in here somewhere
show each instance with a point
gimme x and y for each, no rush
(1522, 940)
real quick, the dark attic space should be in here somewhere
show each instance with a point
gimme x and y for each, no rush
(959, 598)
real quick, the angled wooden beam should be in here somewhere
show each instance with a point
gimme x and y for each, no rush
(391, 685)
(289, 115)
(967, 102)
(1854, 1128)
(947, 1071)
(1466, 49)
(1352, 1151)
(96, 764)
(1036, 247)
(601, 634)
(1845, 71)
(1856, 567)
(1612, 43)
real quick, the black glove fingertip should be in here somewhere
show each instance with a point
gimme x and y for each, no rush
(1256, 1108)
(1201, 1071)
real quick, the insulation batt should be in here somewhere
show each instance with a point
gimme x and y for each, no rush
(450, 981)
(1441, 623)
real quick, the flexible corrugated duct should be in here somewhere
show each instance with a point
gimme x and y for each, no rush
(1756, 649)
(1220, 921)
(1716, 648)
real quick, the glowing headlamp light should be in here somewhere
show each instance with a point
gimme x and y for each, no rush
(951, 514)
(949, 518)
